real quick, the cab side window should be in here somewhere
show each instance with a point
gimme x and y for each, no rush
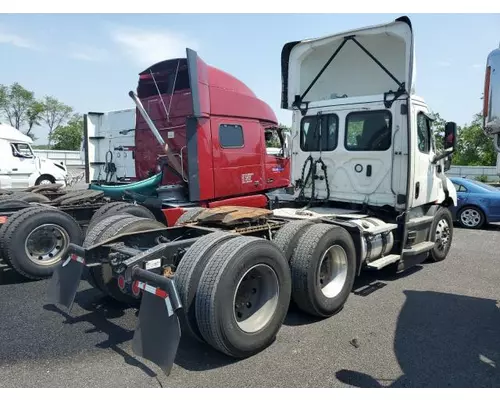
(231, 136)
(423, 133)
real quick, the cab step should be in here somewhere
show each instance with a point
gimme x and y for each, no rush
(419, 248)
(384, 261)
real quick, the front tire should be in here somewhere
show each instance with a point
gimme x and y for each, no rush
(441, 234)
(45, 180)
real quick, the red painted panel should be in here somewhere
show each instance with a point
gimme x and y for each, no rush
(277, 172)
(172, 215)
(238, 170)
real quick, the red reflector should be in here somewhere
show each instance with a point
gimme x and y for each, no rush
(161, 293)
(135, 288)
(3, 220)
(121, 282)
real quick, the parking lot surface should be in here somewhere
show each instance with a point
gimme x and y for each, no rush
(436, 325)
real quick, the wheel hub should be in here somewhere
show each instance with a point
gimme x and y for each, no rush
(256, 298)
(46, 244)
(332, 271)
(470, 218)
(442, 234)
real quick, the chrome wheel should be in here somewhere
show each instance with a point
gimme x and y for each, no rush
(45, 182)
(332, 271)
(442, 234)
(256, 298)
(46, 244)
(470, 218)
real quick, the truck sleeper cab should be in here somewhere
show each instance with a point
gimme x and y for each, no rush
(369, 193)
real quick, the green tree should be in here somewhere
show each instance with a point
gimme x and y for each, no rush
(473, 146)
(68, 137)
(20, 107)
(55, 114)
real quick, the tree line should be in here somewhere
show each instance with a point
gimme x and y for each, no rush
(20, 108)
(23, 110)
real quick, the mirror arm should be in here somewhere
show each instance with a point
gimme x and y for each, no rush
(444, 154)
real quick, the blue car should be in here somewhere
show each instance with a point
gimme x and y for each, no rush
(478, 203)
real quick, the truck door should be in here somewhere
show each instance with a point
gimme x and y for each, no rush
(425, 184)
(277, 167)
(22, 165)
(237, 157)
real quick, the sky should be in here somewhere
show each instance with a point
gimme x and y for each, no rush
(91, 61)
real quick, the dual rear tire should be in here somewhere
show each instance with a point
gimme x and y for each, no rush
(236, 290)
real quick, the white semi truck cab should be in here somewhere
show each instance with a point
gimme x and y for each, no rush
(361, 138)
(20, 168)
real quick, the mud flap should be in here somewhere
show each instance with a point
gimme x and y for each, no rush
(65, 279)
(158, 332)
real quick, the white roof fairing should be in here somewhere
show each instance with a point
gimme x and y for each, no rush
(352, 72)
(10, 133)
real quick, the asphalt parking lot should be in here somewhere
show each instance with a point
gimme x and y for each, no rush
(437, 325)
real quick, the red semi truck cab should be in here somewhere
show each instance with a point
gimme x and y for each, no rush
(215, 125)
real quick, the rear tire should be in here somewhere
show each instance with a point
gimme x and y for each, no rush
(7, 224)
(289, 235)
(323, 270)
(30, 197)
(189, 215)
(120, 208)
(37, 256)
(188, 274)
(103, 275)
(221, 305)
(13, 203)
(93, 237)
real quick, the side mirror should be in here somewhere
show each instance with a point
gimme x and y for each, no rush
(450, 136)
